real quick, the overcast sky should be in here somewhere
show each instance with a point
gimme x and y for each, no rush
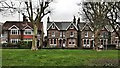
(63, 10)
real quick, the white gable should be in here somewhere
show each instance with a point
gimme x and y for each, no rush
(52, 25)
(14, 27)
(73, 25)
(26, 27)
(87, 24)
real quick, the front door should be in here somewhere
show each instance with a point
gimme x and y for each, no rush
(60, 43)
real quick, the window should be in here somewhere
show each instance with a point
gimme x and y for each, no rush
(116, 36)
(101, 42)
(117, 29)
(28, 32)
(53, 34)
(27, 39)
(87, 41)
(53, 27)
(15, 40)
(63, 40)
(51, 41)
(54, 41)
(84, 41)
(60, 34)
(116, 42)
(63, 34)
(71, 34)
(104, 41)
(86, 34)
(14, 31)
(71, 27)
(93, 35)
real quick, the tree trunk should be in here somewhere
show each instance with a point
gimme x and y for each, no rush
(34, 40)
(41, 38)
(96, 39)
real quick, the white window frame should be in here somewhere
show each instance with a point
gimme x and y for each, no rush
(61, 34)
(27, 39)
(71, 27)
(71, 34)
(53, 34)
(17, 32)
(71, 41)
(93, 35)
(86, 34)
(14, 41)
(104, 41)
(87, 43)
(28, 30)
(53, 26)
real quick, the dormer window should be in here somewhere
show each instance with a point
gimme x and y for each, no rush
(117, 29)
(53, 27)
(71, 34)
(86, 34)
(116, 36)
(71, 27)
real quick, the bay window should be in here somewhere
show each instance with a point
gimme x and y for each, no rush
(15, 40)
(14, 31)
(28, 32)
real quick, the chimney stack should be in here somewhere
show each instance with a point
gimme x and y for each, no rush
(48, 19)
(74, 20)
(78, 21)
(24, 18)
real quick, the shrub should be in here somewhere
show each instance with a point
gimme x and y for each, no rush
(24, 44)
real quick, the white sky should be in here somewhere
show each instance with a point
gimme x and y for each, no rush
(63, 10)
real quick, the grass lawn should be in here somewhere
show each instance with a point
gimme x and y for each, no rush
(58, 57)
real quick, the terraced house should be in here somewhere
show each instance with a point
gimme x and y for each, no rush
(62, 34)
(107, 35)
(19, 30)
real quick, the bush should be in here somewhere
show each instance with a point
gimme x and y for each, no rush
(24, 44)
(110, 47)
(4, 45)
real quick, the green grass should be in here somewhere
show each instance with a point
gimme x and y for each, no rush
(58, 57)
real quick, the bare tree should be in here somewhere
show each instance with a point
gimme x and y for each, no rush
(97, 14)
(35, 13)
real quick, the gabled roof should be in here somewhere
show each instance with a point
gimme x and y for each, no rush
(109, 28)
(28, 27)
(81, 25)
(20, 25)
(73, 25)
(117, 26)
(12, 27)
(61, 25)
(89, 25)
(50, 25)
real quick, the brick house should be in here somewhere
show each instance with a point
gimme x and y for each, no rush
(1, 32)
(86, 35)
(19, 30)
(114, 38)
(62, 34)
